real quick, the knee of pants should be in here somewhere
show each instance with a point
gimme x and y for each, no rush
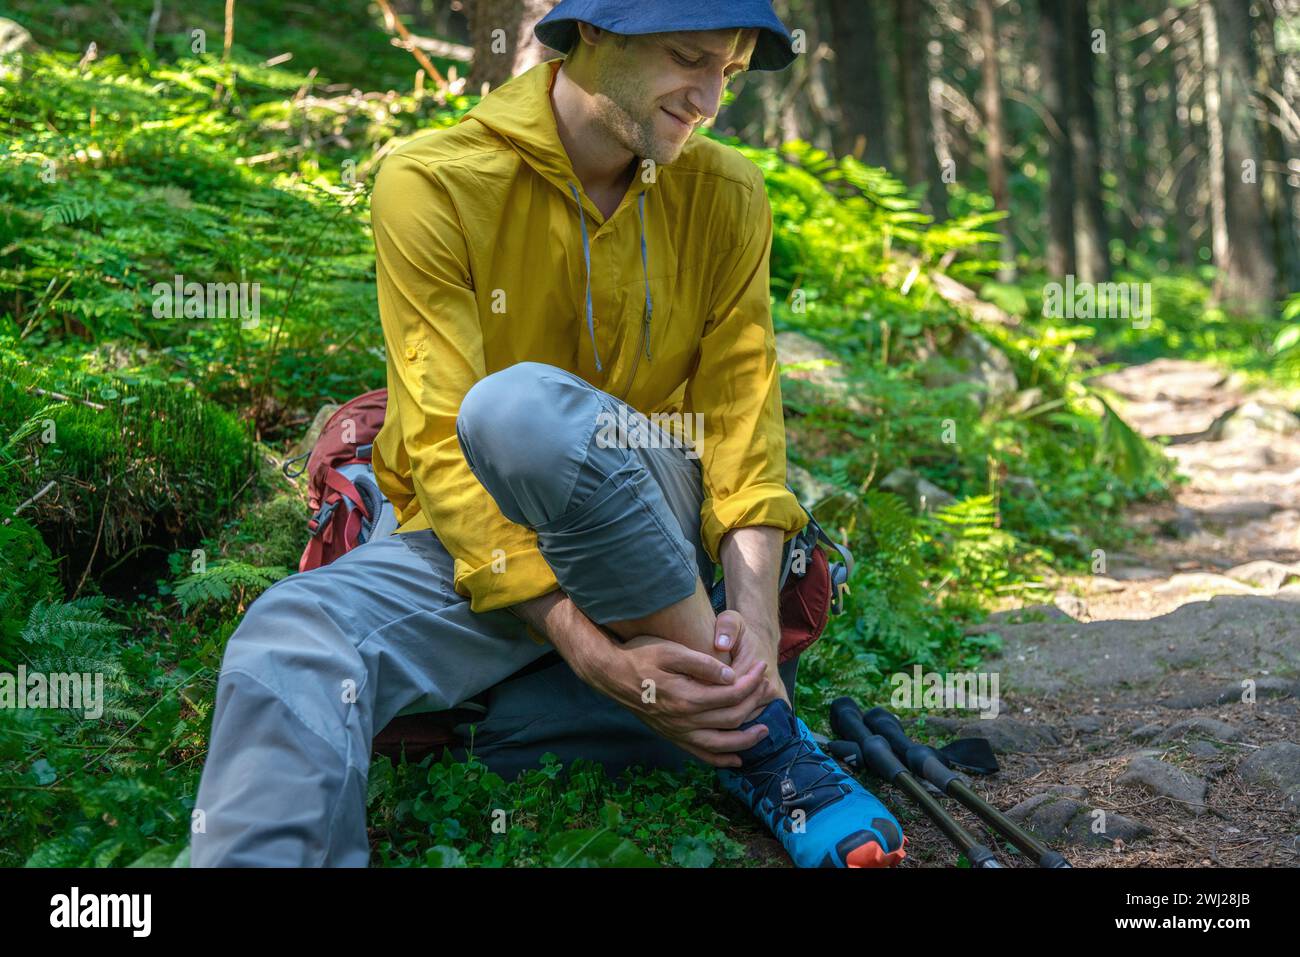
(291, 642)
(524, 432)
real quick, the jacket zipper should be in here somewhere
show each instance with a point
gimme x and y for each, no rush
(645, 342)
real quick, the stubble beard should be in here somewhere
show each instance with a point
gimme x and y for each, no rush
(630, 119)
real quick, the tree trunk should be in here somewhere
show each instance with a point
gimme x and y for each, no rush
(1091, 239)
(501, 32)
(1121, 131)
(864, 111)
(1188, 151)
(1059, 254)
(994, 128)
(911, 24)
(1242, 250)
(1214, 133)
(1277, 198)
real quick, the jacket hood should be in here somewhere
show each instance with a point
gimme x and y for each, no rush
(520, 112)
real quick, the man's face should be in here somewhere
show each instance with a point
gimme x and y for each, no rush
(654, 91)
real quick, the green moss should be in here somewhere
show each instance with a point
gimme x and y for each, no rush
(134, 463)
(269, 533)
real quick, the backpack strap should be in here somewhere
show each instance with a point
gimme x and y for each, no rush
(840, 571)
(321, 524)
(807, 538)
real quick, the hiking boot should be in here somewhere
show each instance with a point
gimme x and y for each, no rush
(821, 815)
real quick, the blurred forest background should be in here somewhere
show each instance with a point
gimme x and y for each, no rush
(936, 168)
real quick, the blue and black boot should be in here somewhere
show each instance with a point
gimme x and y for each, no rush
(821, 815)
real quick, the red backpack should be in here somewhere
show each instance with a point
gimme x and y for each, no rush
(345, 502)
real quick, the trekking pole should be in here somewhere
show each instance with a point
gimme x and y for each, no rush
(876, 756)
(927, 763)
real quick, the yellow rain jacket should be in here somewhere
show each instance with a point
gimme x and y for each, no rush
(489, 253)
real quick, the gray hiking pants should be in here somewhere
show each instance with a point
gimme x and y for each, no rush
(323, 660)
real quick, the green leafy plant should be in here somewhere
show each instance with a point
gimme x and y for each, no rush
(225, 581)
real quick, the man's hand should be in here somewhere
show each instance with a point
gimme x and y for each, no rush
(749, 646)
(689, 697)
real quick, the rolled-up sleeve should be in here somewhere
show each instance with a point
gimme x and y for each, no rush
(736, 387)
(430, 318)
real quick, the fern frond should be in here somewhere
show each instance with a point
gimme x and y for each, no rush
(222, 580)
(65, 624)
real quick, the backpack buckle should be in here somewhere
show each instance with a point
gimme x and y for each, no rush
(322, 518)
(839, 587)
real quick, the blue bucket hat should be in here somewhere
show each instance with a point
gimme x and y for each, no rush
(559, 28)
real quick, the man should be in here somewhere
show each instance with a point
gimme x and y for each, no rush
(563, 263)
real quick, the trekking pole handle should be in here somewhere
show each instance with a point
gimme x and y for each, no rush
(924, 761)
(876, 755)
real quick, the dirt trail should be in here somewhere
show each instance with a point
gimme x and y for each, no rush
(1151, 715)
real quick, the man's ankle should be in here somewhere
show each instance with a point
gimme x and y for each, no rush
(760, 708)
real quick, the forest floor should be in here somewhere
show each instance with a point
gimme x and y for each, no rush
(1150, 715)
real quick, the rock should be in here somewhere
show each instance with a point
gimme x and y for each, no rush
(1164, 378)
(922, 495)
(1069, 539)
(1199, 728)
(14, 39)
(1276, 766)
(1060, 816)
(1019, 616)
(1251, 417)
(1229, 635)
(1266, 686)
(1264, 574)
(1072, 605)
(972, 359)
(808, 488)
(1147, 732)
(1102, 585)
(1240, 512)
(964, 298)
(1010, 735)
(1202, 583)
(308, 442)
(1184, 524)
(1201, 749)
(817, 367)
(987, 365)
(1021, 486)
(935, 724)
(1136, 573)
(1025, 400)
(1166, 780)
(1086, 723)
(1061, 790)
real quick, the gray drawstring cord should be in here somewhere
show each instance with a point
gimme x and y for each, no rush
(586, 257)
